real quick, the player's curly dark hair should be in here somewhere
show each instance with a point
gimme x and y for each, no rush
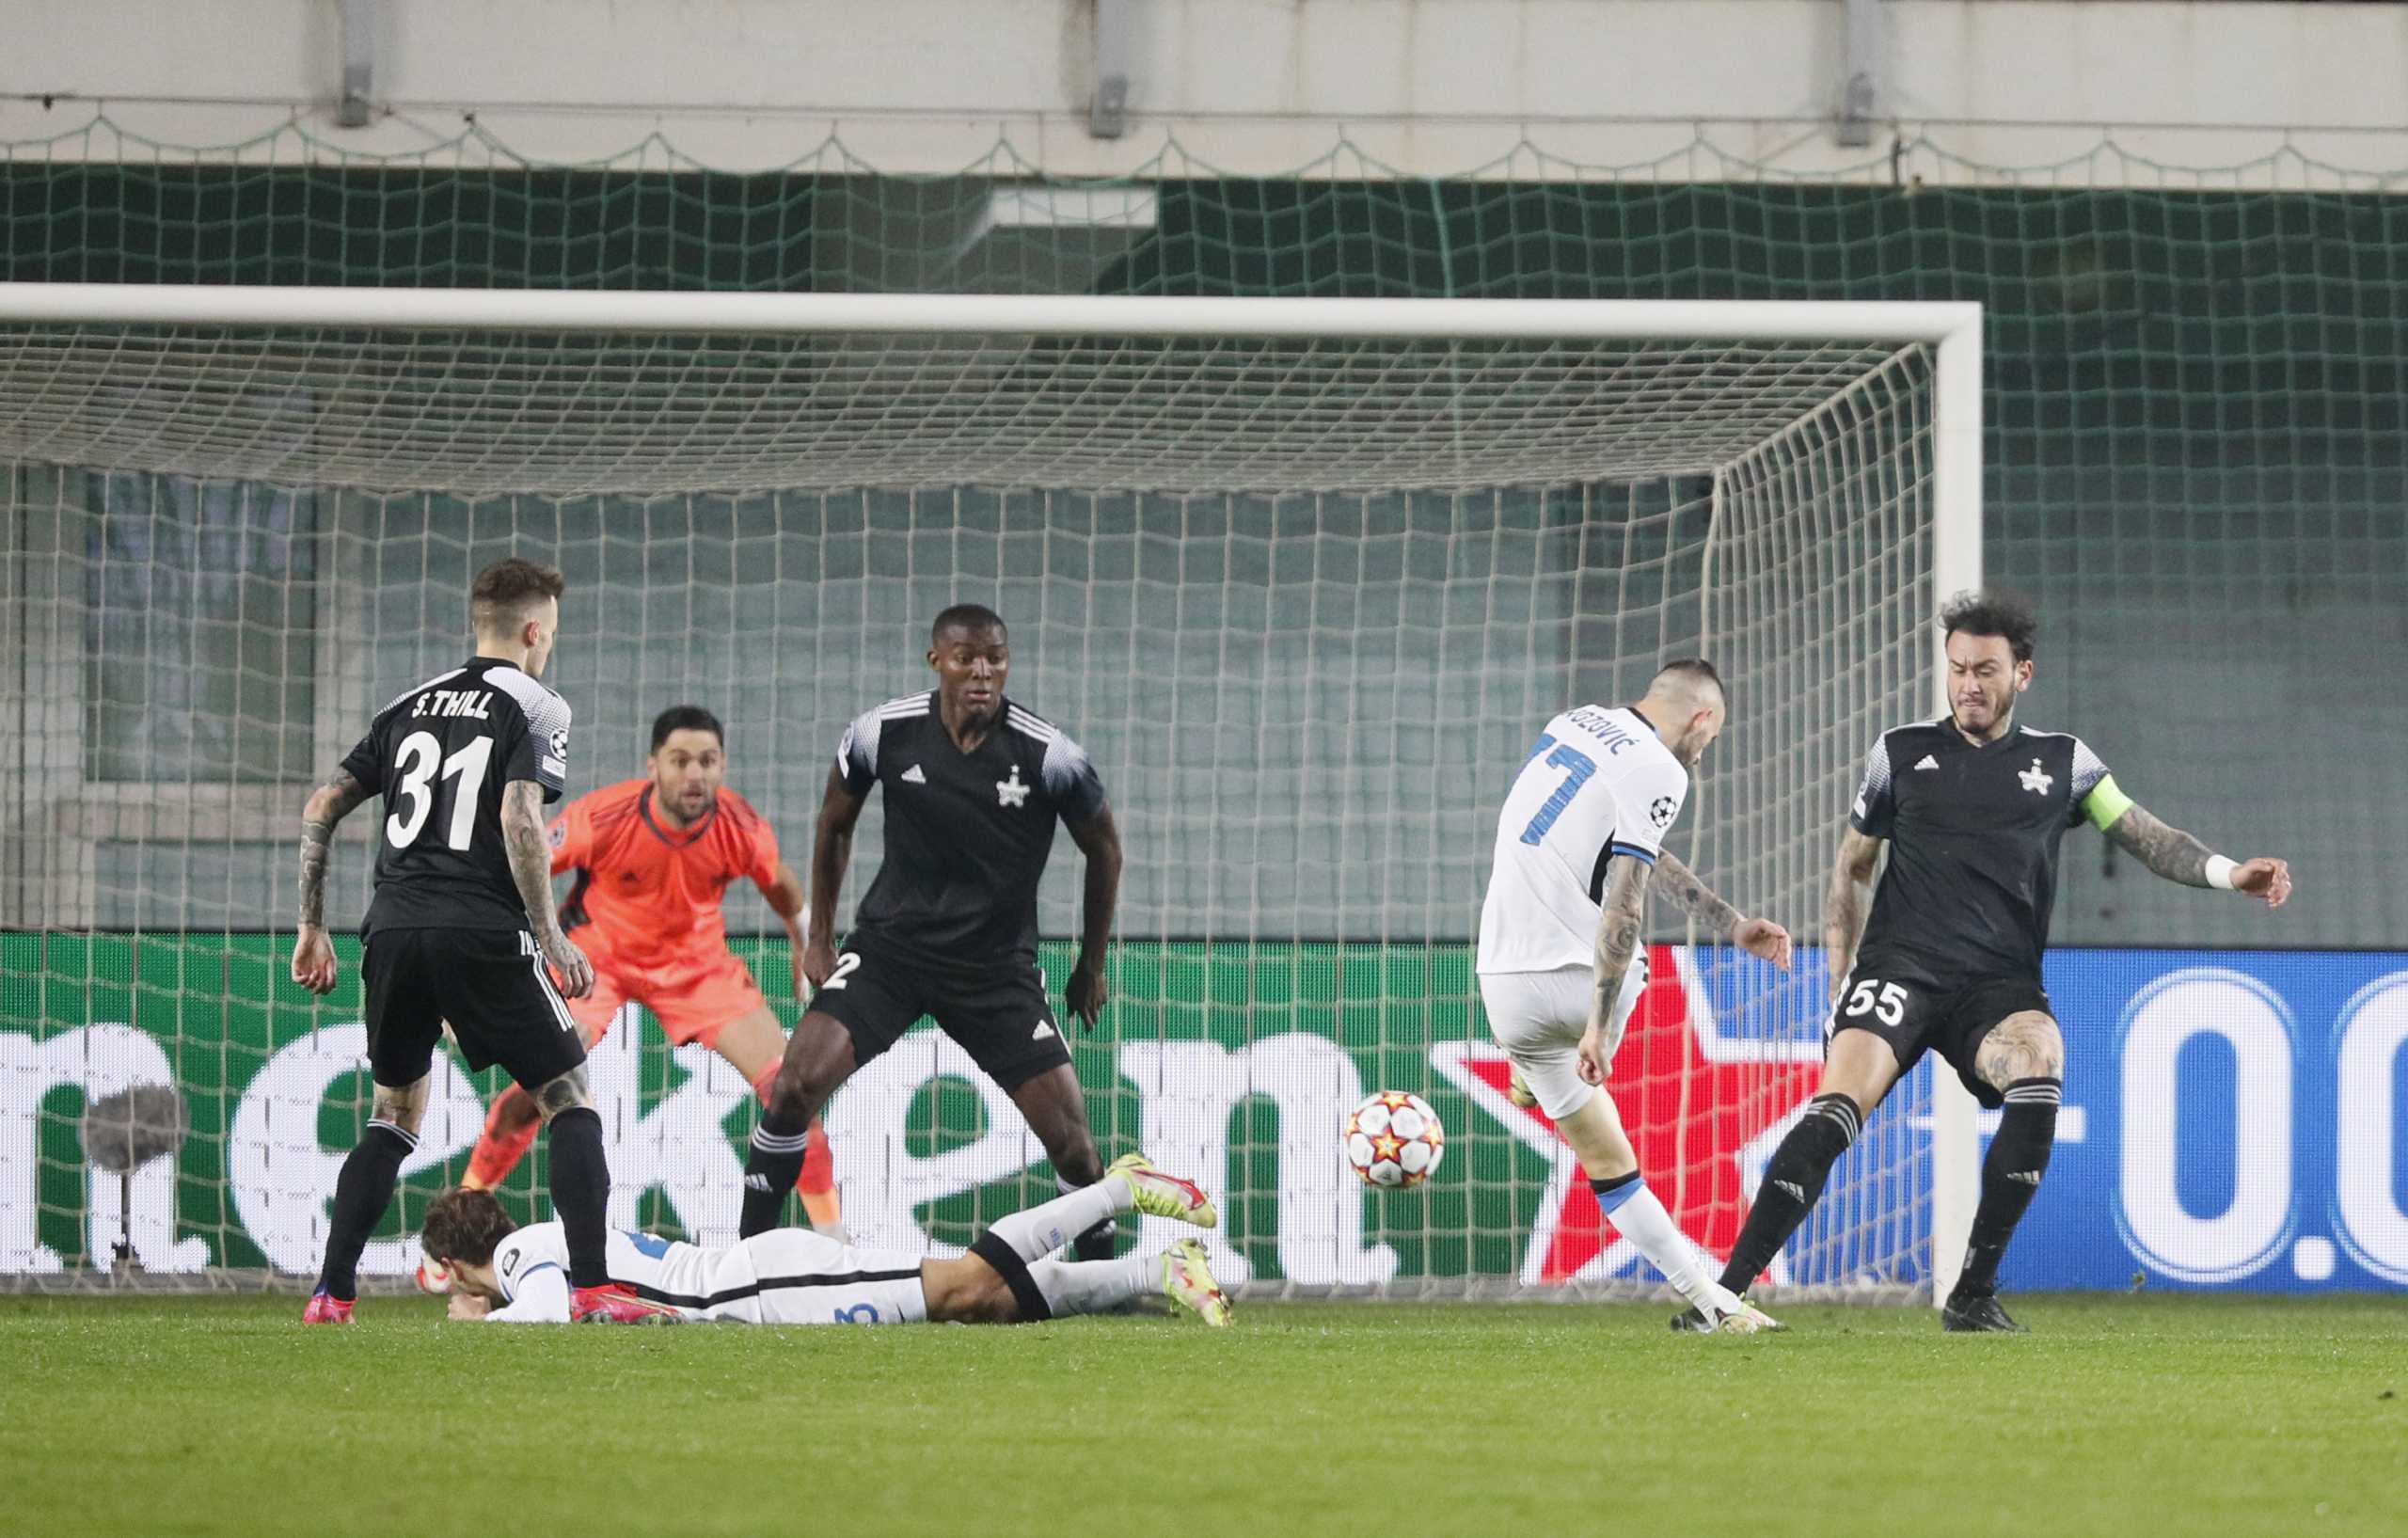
(685, 717)
(465, 1225)
(2008, 615)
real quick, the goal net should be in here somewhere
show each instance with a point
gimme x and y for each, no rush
(1304, 577)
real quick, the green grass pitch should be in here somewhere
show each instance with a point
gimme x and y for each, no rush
(2140, 1417)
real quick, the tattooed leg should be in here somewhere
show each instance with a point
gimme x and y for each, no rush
(365, 1187)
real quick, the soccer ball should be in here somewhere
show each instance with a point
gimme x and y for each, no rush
(1394, 1140)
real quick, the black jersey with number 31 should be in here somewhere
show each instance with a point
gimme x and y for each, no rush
(1974, 835)
(440, 756)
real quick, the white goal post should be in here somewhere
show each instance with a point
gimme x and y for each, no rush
(1315, 511)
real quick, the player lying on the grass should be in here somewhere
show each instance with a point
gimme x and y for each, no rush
(507, 1274)
(653, 859)
(1973, 807)
(1580, 832)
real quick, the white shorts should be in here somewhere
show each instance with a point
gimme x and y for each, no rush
(801, 1278)
(1537, 1017)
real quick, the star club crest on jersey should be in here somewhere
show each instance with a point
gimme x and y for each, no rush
(1703, 1158)
(1012, 792)
(2036, 779)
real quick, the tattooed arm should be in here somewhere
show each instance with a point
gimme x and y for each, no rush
(530, 849)
(2177, 856)
(1625, 908)
(313, 952)
(1759, 937)
(1844, 904)
(2166, 851)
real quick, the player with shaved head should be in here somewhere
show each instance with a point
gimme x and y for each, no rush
(1560, 963)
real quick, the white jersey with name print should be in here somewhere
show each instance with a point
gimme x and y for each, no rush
(785, 1276)
(1599, 783)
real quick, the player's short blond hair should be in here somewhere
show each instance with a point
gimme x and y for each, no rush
(507, 593)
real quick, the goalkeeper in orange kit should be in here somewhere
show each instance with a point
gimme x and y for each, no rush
(653, 859)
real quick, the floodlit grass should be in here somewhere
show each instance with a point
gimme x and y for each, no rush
(2133, 1416)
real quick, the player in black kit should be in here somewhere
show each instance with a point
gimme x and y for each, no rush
(973, 783)
(462, 926)
(1973, 807)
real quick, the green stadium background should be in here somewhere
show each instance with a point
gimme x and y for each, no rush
(2193, 463)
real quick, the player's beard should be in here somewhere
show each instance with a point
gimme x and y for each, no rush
(681, 804)
(2000, 716)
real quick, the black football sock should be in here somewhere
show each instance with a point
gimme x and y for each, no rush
(1793, 1183)
(362, 1192)
(779, 1144)
(2019, 1156)
(581, 1192)
(1097, 1244)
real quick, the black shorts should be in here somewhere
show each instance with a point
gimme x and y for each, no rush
(1000, 1016)
(1916, 1013)
(492, 985)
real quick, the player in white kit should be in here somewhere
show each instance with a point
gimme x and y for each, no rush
(1561, 962)
(510, 1275)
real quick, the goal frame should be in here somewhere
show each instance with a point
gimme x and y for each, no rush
(1953, 330)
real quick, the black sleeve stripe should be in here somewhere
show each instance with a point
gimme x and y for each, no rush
(1604, 858)
(771, 1284)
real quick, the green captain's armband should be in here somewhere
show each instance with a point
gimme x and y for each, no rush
(2105, 803)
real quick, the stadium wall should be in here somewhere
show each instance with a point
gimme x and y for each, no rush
(1428, 85)
(2232, 1119)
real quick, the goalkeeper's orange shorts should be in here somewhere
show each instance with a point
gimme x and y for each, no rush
(693, 995)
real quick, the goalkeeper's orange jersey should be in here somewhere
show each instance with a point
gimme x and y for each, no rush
(651, 894)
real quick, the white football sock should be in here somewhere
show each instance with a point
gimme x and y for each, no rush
(1634, 1210)
(1043, 1229)
(1087, 1287)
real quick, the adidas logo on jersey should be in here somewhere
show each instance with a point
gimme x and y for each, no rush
(756, 1183)
(1796, 1192)
(1928, 762)
(1043, 1032)
(914, 777)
